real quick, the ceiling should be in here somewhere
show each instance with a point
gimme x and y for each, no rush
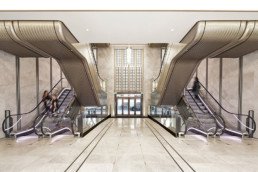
(128, 27)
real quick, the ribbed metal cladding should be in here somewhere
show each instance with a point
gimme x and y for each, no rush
(8, 44)
(49, 36)
(205, 38)
(53, 39)
(247, 46)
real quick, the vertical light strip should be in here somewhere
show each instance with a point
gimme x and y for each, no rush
(51, 73)
(61, 76)
(207, 74)
(240, 90)
(220, 81)
(18, 93)
(37, 83)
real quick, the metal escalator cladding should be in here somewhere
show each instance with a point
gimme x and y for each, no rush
(53, 39)
(205, 39)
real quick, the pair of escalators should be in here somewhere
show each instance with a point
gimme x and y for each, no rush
(206, 116)
(45, 123)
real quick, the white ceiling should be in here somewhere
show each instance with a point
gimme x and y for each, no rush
(129, 27)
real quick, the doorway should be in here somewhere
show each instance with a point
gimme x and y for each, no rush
(128, 105)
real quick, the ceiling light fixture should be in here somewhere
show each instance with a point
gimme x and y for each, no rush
(171, 30)
(87, 30)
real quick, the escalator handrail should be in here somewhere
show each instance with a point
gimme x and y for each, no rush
(40, 101)
(248, 116)
(184, 99)
(203, 111)
(64, 99)
(220, 104)
(96, 64)
(195, 101)
(161, 65)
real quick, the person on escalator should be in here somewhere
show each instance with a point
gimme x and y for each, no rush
(196, 88)
(54, 106)
(46, 98)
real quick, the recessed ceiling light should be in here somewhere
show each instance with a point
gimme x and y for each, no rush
(171, 30)
(87, 30)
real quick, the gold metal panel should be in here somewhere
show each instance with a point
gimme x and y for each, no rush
(11, 44)
(205, 38)
(53, 39)
(248, 45)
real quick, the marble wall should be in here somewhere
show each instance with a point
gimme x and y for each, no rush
(28, 88)
(7, 85)
(250, 85)
(201, 72)
(105, 60)
(230, 75)
(152, 60)
(56, 76)
(213, 77)
(151, 69)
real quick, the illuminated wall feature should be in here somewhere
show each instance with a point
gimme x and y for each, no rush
(128, 70)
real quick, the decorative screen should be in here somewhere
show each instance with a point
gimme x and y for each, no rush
(128, 70)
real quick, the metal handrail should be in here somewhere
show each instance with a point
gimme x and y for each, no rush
(203, 111)
(4, 121)
(253, 129)
(64, 99)
(96, 64)
(40, 101)
(161, 65)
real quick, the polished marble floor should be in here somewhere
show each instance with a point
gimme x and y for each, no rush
(129, 145)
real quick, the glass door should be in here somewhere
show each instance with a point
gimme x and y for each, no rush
(131, 106)
(119, 107)
(128, 105)
(125, 107)
(138, 106)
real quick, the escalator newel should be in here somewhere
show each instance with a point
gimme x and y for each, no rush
(8, 123)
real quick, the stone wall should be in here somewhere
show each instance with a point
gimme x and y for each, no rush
(7, 85)
(250, 85)
(151, 69)
(28, 88)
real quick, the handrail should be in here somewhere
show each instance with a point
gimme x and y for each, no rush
(4, 121)
(203, 112)
(64, 99)
(161, 65)
(40, 101)
(96, 64)
(232, 112)
(219, 103)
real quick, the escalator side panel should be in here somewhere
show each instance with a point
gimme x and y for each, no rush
(53, 39)
(210, 36)
(49, 37)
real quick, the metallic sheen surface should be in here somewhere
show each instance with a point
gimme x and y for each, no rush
(53, 39)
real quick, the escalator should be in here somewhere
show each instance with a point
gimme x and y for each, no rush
(53, 39)
(16, 125)
(62, 120)
(198, 117)
(206, 39)
(236, 124)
